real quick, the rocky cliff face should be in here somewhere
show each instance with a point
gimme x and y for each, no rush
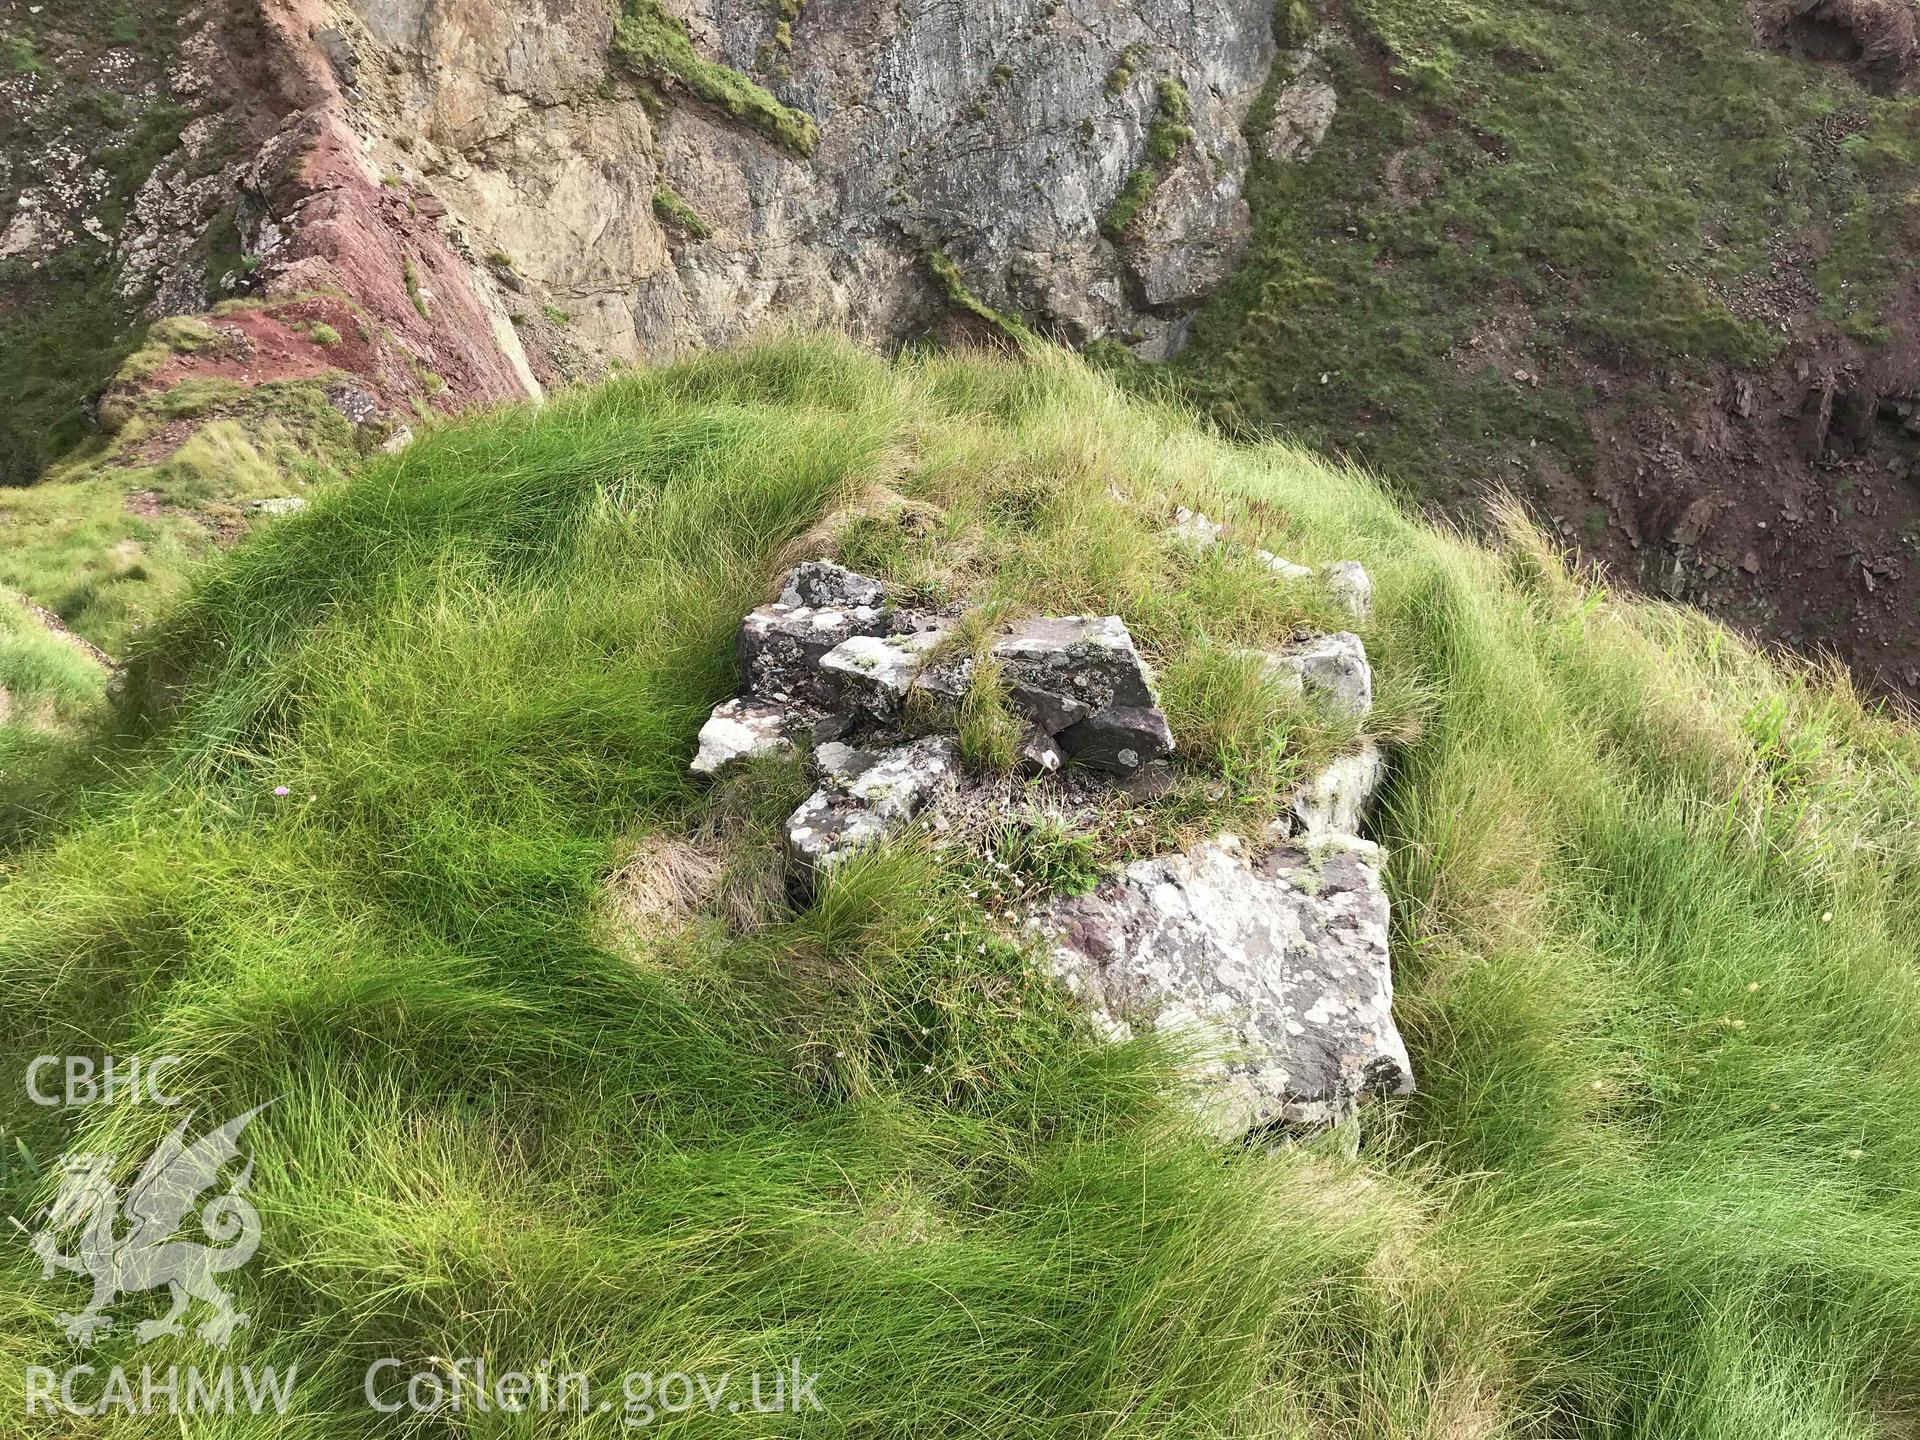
(515, 192)
(997, 135)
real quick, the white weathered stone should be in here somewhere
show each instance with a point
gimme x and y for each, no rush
(1190, 527)
(739, 729)
(277, 505)
(863, 803)
(1337, 798)
(1285, 569)
(1350, 586)
(1328, 669)
(875, 673)
(1277, 968)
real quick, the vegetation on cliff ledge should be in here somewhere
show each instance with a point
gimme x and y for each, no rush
(653, 43)
(399, 835)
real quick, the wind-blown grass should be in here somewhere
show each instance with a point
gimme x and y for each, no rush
(1655, 935)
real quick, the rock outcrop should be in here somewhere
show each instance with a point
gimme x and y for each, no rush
(508, 195)
(995, 137)
(1275, 968)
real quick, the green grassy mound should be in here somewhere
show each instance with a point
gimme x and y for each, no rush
(537, 1101)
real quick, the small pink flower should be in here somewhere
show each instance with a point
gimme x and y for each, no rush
(280, 790)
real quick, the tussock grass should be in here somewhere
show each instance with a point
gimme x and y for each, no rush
(1655, 936)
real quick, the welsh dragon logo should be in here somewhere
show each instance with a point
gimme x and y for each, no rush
(145, 1255)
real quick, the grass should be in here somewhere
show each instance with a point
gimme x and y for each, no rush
(1167, 136)
(653, 43)
(1594, 183)
(1655, 927)
(47, 680)
(106, 538)
(953, 286)
(410, 277)
(671, 210)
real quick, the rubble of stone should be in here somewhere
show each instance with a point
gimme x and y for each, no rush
(1275, 968)
(822, 607)
(1347, 582)
(1079, 681)
(1276, 965)
(832, 662)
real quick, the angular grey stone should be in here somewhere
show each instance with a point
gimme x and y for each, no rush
(821, 582)
(1330, 669)
(738, 729)
(875, 673)
(839, 764)
(1050, 711)
(880, 799)
(1090, 658)
(943, 683)
(781, 646)
(1337, 798)
(1122, 739)
(1279, 967)
(1040, 756)
(1285, 569)
(1350, 586)
(1066, 667)
(277, 505)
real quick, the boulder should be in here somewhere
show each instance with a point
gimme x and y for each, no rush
(1337, 798)
(1276, 968)
(1079, 679)
(1350, 586)
(1329, 669)
(866, 798)
(781, 646)
(739, 729)
(874, 674)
